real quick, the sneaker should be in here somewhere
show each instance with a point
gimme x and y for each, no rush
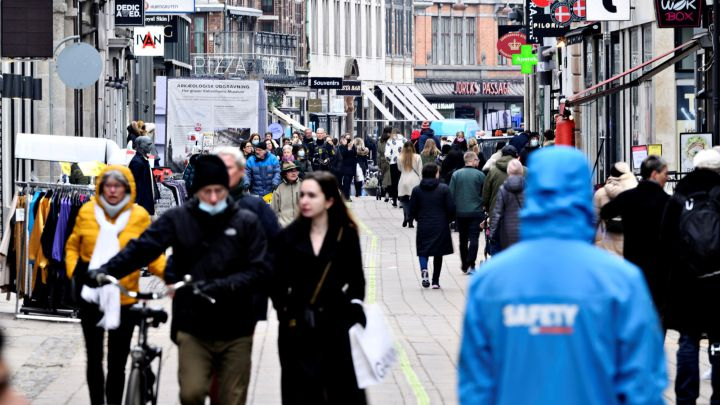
(425, 279)
(436, 286)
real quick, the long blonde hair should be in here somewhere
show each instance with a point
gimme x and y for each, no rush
(430, 149)
(360, 147)
(407, 155)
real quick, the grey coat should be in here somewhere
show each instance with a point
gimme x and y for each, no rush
(505, 222)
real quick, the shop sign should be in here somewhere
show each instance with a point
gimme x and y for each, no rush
(678, 13)
(350, 88)
(315, 105)
(609, 10)
(129, 13)
(443, 106)
(485, 88)
(236, 65)
(526, 59)
(168, 22)
(326, 82)
(510, 44)
(149, 41)
(542, 25)
(565, 12)
(169, 6)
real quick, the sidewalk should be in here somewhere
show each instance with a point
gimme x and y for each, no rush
(48, 358)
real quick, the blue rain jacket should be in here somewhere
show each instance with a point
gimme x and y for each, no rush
(554, 320)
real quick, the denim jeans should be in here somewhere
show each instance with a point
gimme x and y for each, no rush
(687, 381)
(437, 266)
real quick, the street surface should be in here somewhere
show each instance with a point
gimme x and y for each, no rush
(48, 359)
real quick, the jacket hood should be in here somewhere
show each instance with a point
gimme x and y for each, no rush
(128, 175)
(616, 185)
(558, 197)
(519, 141)
(515, 184)
(429, 184)
(502, 163)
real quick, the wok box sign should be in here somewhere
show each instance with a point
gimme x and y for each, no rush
(678, 13)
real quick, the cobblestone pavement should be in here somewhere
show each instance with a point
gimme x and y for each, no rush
(48, 358)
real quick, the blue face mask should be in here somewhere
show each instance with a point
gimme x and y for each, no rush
(301, 153)
(213, 209)
(255, 143)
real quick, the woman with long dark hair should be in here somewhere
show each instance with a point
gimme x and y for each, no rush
(318, 297)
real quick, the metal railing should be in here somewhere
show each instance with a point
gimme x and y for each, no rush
(245, 42)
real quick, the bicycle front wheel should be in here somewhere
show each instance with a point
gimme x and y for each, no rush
(133, 395)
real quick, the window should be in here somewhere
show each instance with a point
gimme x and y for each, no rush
(314, 44)
(470, 41)
(457, 39)
(409, 39)
(370, 27)
(267, 6)
(348, 29)
(445, 43)
(683, 35)
(501, 60)
(401, 33)
(199, 35)
(388, 31)
(326, 27)
(358, 31)
(336, 23)
(647, 46)
(435, 34)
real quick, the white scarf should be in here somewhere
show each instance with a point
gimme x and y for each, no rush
(107, 245)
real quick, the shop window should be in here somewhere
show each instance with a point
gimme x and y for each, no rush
(683, 35)
(199, 41)
(647, 46)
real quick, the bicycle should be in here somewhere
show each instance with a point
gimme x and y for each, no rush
(142, 385)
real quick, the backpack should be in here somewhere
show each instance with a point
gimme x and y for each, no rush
(699, 230)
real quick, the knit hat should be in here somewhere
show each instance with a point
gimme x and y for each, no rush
(261, 145)
(209, 170)
(287, 166)
(509, 150)
(515, 168)
(425, 125)
(707, 159)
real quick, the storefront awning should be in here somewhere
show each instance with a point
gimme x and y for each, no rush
(410, 103)
(288, 120)
(614, 84)
(379, 105)
(577, 35)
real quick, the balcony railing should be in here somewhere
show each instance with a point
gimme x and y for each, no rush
(227, 42)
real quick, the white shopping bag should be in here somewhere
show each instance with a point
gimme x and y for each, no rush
(359, 176)
(373, 348)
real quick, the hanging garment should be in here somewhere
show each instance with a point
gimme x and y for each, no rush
(35, 248)
(8, 235)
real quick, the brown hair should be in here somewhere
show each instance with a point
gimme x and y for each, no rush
(338, 213)
(407, 155)
(430, 149)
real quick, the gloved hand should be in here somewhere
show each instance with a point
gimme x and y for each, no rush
(92, 277)
(357, 314)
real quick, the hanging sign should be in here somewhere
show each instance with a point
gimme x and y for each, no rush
(510, 44)
(169, 6)
(326, 82)
(350, 88)
(610, 10)
(129, 13)
(678, 13)
(542, 25)
(526, 59)
(169, 24)
(149, 41)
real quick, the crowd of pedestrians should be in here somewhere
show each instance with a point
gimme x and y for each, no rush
(269, 219)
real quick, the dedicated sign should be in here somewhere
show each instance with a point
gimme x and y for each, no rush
(129, 13)
(326, 82)
(510, 44)
(169, 6)
(149, 41)
(350, 88)
(609, 10)
(678, 13)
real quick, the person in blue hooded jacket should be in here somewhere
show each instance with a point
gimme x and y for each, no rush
(263, 171)
(553, 319)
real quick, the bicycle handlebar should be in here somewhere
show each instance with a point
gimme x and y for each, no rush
(187, 281)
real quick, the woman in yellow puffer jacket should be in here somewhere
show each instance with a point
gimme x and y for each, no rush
(112, 207)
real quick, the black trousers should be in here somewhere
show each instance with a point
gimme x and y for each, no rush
(347, 181)
(469, 235)
(405, 204)
(118, 349)
(394, 179)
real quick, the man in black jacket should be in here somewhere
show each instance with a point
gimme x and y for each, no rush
(223, 248)
(642, 209)
(145, 186)
(324, 154)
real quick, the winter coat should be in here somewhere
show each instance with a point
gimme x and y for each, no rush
(494, 180)
(225, 253)
(429, 158)
(383, 165)
(146, 187)
(349, 160)
(309, 147)
(427, 135)
(362, 160)
(409, 179)
(432, 206)
(286, 202)
(466, 186)
(554, 319)
(491, 162)
(263, 175)
(609, 235)
(81, 243)
(452, 162)
(641, 210)
(505, 222)
(691, 302)
(317, 366)
(392, 150)
(323, 157)
(519, 141)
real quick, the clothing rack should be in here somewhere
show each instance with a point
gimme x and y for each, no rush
(30, 312)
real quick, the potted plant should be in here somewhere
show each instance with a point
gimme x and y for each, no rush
(371, 186)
